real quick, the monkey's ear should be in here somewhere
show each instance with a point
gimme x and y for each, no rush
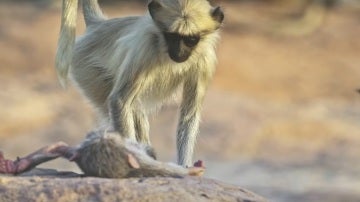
(133, 162)
(218, 15)
(154, 6)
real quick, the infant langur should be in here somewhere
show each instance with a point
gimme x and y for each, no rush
(103, 154)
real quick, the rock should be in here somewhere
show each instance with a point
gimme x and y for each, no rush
(50, 185)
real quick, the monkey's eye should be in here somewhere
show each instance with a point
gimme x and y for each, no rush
(191, 41)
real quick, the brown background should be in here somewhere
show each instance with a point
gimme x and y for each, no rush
(281, 118)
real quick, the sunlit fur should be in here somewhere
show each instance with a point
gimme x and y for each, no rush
(186, 17)
(122, 66)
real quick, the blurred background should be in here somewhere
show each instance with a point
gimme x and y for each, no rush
(281, 118)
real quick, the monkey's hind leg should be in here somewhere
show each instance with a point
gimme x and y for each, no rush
(30, 161)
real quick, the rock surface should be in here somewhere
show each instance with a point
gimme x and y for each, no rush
(50, 185)
(274, 111)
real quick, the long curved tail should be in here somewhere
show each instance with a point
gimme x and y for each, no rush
(92, 14)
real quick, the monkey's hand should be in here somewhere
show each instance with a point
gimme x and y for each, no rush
(6, 166)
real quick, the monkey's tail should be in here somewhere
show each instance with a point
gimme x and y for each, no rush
(92, 12)
(66, 40)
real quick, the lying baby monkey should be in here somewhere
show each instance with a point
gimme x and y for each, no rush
(103, 154)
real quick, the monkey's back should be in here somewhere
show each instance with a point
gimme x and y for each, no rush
(89, 67)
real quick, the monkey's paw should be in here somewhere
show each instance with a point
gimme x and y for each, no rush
(199, 163)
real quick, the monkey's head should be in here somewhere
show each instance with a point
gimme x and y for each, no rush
(185, 24)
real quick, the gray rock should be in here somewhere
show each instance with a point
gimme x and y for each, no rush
(49, 185)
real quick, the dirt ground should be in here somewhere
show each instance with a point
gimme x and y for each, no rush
(282, 116)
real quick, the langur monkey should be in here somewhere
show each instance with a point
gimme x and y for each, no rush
(103, 154)
(128, 67)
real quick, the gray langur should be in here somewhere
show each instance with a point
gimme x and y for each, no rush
(102, 154)
(128, 67)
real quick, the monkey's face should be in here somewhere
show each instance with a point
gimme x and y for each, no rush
(185, 24)
(180, 46)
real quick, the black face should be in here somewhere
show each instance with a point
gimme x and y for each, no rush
(180, 46)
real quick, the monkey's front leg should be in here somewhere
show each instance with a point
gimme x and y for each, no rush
(193, 94)
(30, 161)
(186, 138)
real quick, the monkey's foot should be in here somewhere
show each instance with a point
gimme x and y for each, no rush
(12, 167)
(30, 161)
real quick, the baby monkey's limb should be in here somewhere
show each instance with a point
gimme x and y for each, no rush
(149, 167)
(30, 161)
(105, 155)
(108, 154)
